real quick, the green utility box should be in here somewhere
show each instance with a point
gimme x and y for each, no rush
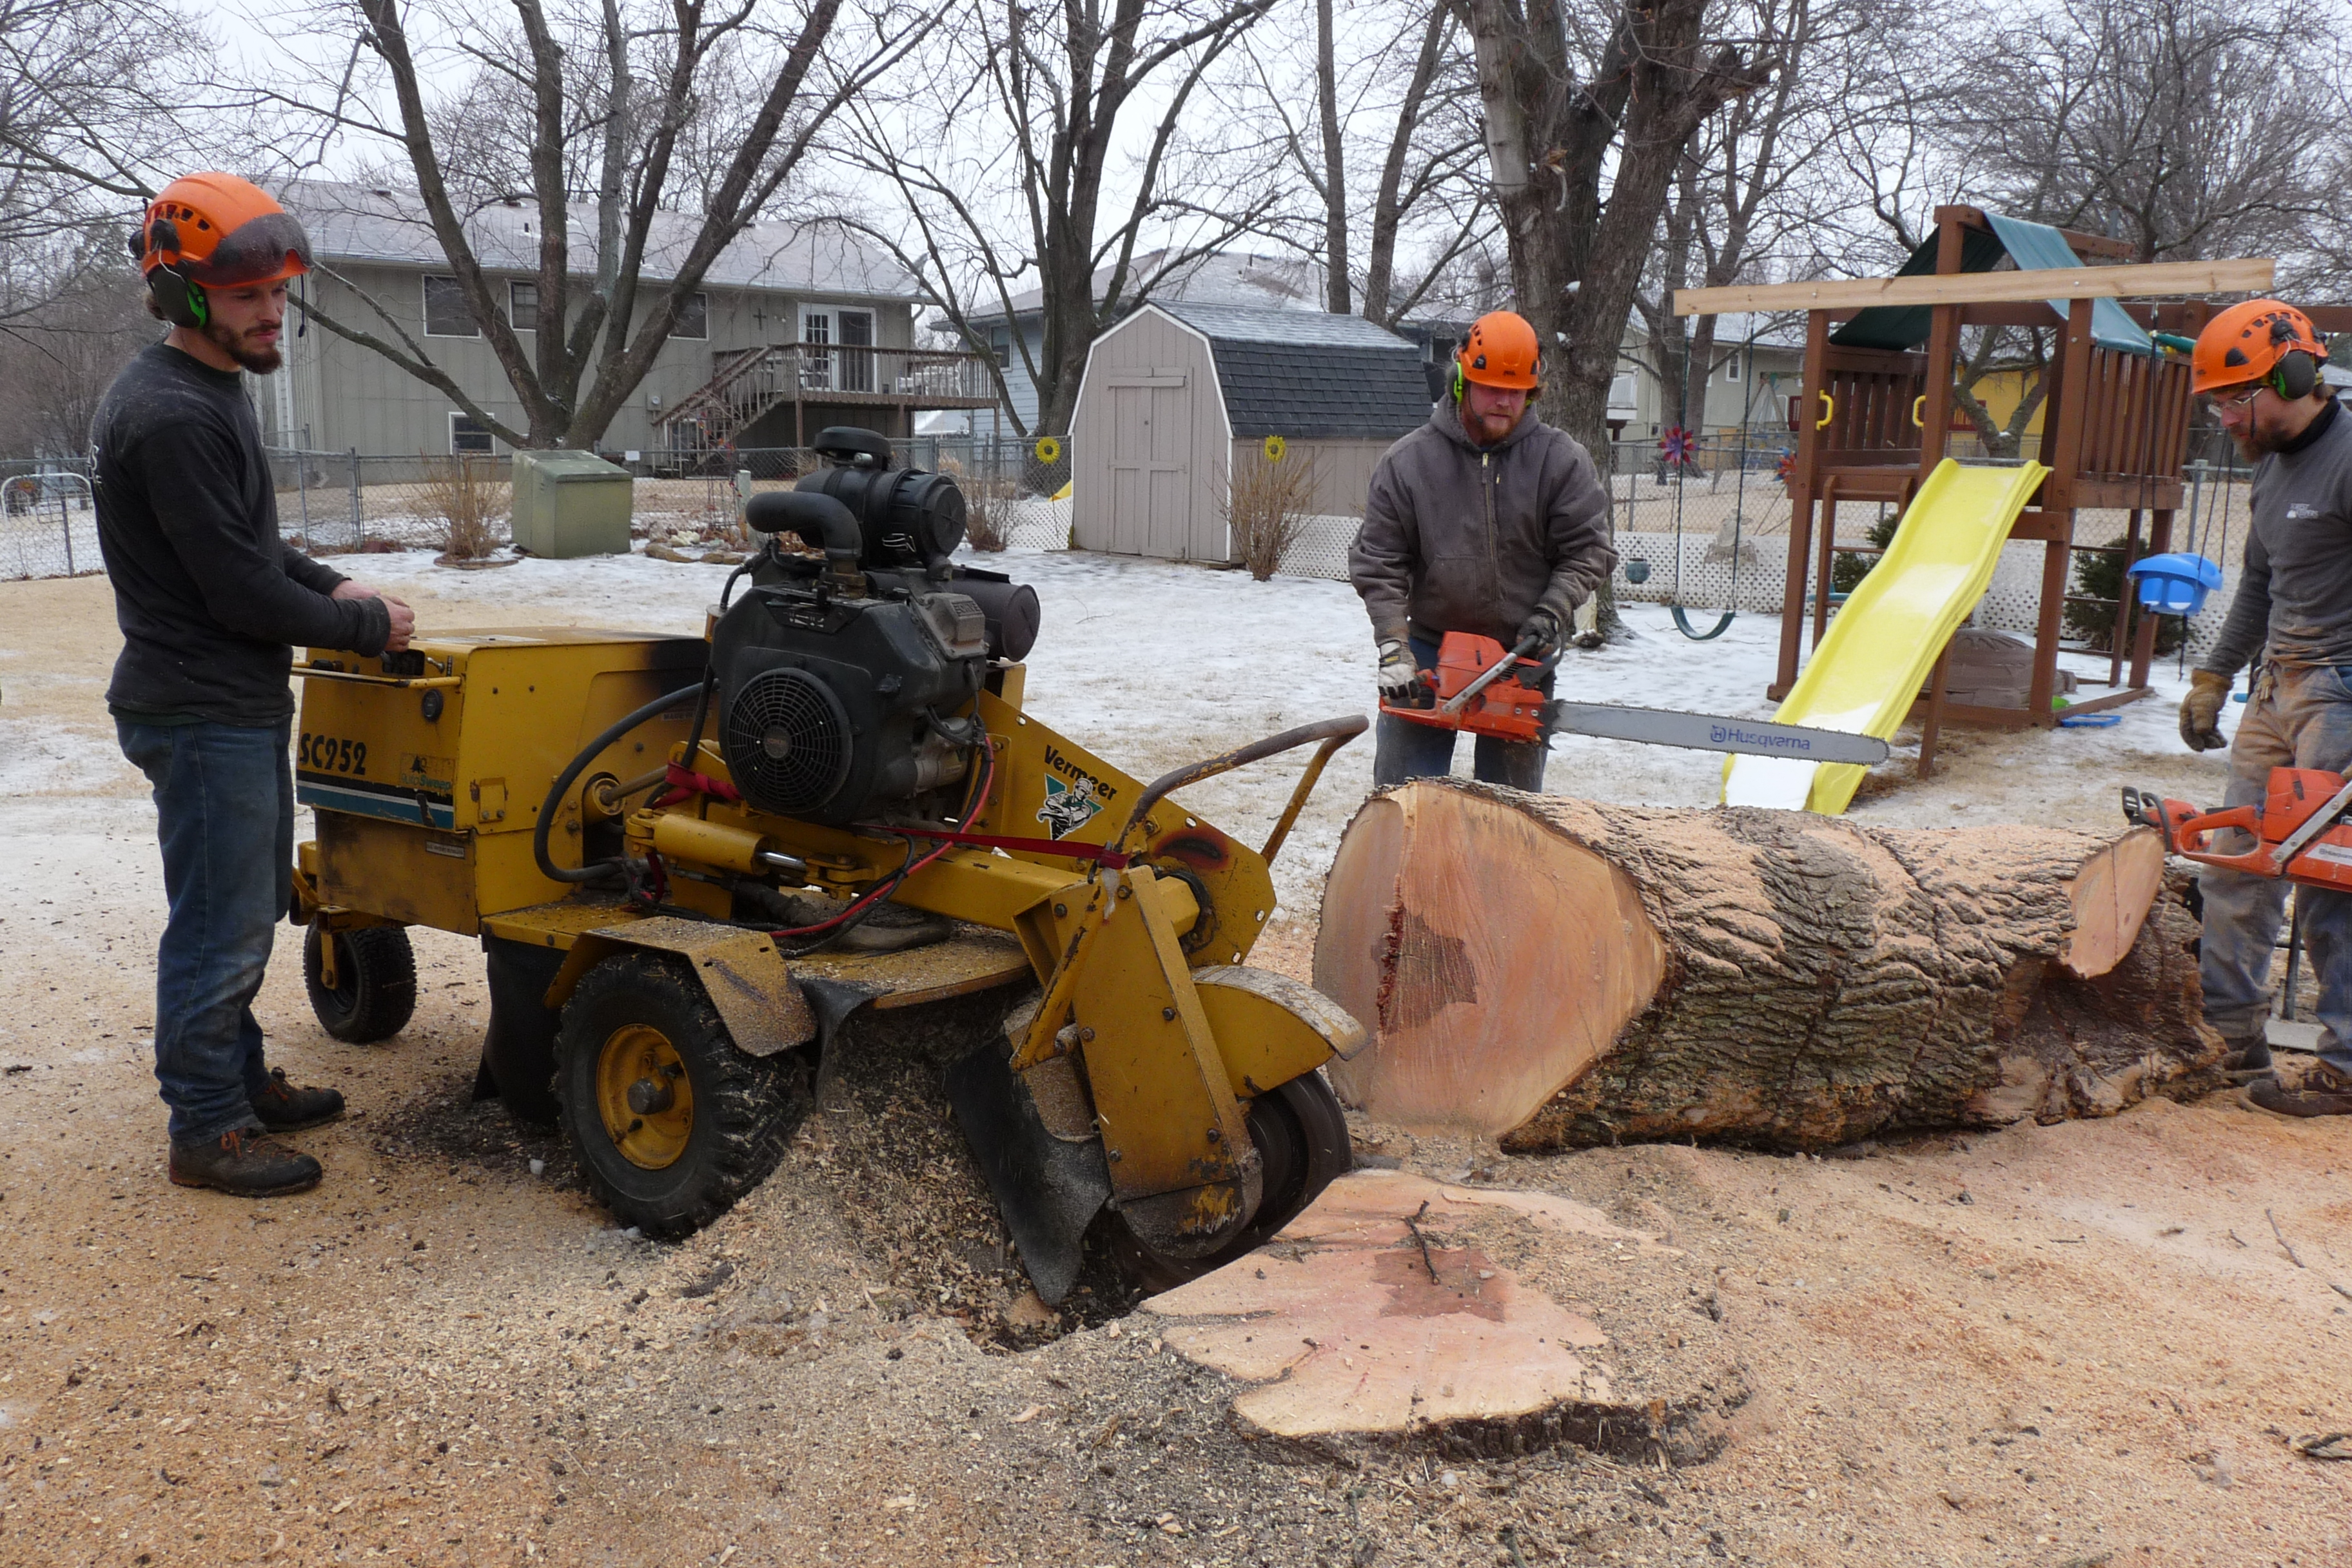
(570, 503)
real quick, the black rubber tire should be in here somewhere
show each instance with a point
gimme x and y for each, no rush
(376, 989)
(744, 1107)
(1302, 1135)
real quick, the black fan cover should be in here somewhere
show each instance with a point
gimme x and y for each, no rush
(788, 742)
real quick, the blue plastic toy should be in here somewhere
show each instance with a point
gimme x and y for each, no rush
(2175, 584)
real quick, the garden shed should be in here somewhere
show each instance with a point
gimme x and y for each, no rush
(1177, 393)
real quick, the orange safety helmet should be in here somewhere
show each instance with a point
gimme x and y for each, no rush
(215, 231)
(1501, 351)
(2260, 341)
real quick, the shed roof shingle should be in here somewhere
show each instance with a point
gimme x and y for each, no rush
(1309, 375)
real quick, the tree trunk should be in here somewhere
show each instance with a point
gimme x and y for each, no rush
(1559, 973)
(1335, 167)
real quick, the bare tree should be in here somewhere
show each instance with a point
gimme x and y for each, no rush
(1411, 80)
(93, 119)
(1582, 163)
(2190, 128)
(618, 104)
(1750, 193)
(1060, 145)
(56, 361)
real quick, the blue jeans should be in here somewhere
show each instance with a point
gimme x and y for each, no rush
(2300, 717)
(1403, 749)
(224, 813)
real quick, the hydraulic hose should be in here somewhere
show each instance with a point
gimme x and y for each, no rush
(564, 780)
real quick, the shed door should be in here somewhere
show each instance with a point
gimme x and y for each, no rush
(1151, 464)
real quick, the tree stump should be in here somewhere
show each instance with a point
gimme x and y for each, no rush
(1557, 972)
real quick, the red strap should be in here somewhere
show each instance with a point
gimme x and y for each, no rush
(1103, 853)
(686, 782)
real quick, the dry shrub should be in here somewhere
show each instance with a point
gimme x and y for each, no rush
(988, 508)
(471, 504)
(1265, 506)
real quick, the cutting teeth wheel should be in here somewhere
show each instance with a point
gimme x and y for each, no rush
(1301, 1134)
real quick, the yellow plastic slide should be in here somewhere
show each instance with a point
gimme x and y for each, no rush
(1882, 646)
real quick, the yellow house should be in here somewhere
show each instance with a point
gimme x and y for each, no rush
(2000, 391)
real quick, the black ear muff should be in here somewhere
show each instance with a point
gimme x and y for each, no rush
(183, 302)
(2297, 376)
(1458, 392)
(180, 299)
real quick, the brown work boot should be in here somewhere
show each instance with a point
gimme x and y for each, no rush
(286, 1108)
(248, 1162)
(2246, 1057)
(2324, 1091)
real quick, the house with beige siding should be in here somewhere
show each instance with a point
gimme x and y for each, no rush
(837, 311)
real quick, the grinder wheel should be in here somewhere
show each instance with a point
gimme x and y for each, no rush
(670, 1123)
(1301, 1134)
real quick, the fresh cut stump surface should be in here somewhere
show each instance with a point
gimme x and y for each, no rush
(1557, 972)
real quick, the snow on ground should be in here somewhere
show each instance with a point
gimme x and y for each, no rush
(1151, 664)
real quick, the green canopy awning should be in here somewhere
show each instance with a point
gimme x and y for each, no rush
(2034, 247)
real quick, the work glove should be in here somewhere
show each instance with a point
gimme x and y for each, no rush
(2200, 710)
(1398, 675)
(1545, 627)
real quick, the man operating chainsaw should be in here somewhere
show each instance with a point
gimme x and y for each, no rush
(1484, 520)
(209, 598)
(2258, 364)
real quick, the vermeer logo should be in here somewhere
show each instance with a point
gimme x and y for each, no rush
(1073, 795)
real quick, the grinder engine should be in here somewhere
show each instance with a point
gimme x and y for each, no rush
(840, 680)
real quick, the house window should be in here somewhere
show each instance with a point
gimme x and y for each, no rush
(693, 317)
(1731, 367)
(522, 305)
(447, 314)
(1000, 344)
(468, 439)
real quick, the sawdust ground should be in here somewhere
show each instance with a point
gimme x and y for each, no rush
(2076, 1344)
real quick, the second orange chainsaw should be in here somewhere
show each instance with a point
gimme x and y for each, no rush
(2299, 831)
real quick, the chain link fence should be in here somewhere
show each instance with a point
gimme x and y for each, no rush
(48, 527)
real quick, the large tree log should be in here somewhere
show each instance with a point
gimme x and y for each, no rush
(1557, 973)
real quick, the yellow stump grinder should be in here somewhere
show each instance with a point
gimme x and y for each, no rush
(690, 861)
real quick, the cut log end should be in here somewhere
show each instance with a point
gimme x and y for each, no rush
(1555, 972)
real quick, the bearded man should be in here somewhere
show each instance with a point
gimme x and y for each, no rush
(209, 599)
(2257, 365)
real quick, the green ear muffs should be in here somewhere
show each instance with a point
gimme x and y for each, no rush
(2296, 375)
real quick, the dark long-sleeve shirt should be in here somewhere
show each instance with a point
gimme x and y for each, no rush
(2293, 602)
(208, 596)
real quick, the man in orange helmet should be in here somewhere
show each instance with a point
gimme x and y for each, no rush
(209, 599)
(1485, 519)
(2258, 364)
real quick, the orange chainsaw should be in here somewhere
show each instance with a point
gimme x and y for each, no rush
(1484, 687)
(2299, 829)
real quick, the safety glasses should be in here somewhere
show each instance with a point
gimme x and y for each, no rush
(2234, 399)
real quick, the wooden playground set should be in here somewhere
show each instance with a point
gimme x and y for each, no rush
(2115, 418)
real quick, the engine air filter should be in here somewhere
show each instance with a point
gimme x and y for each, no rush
(788, 742)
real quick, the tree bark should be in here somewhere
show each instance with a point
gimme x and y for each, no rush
(1559, 974)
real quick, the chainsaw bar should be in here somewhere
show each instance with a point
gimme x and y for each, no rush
(1706, 732)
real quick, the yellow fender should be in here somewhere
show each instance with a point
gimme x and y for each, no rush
(1270, 1028)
